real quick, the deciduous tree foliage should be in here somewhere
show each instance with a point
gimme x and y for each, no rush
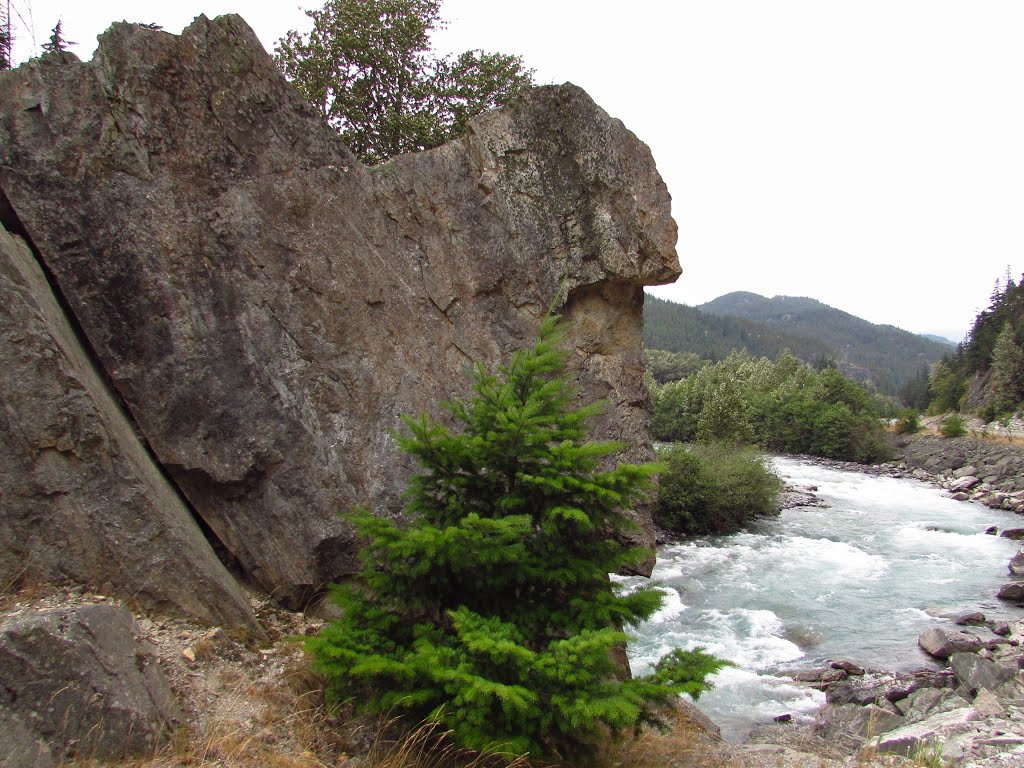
(367, 66)
(492, 610)
(716, 488)
(783, 406)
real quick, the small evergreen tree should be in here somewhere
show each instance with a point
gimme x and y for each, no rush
(57, 42)
(953, 426)
(492, 611)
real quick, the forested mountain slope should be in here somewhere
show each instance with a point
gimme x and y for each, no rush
(680, 328)
(893, 355)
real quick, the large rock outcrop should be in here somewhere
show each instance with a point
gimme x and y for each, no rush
(265, 307)
(81, 499)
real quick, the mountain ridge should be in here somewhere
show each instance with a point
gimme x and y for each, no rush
(883, 355)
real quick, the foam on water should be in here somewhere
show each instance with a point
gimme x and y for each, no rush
(741, 696)
(671, 607)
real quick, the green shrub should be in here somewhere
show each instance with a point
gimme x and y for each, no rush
(953, 426)
(491, 612)
(714, 488)
(908, 423)
(988, 413)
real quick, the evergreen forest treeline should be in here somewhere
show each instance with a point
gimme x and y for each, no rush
(985, 374)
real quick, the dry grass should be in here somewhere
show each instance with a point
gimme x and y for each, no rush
(684, 744)
(292, 728)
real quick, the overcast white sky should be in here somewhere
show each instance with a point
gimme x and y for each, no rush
(868, 154)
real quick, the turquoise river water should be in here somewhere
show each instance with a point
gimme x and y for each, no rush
(858, 579)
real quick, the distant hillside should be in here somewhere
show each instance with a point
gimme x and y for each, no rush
(679, 328)
(893, 356)
(939, 339)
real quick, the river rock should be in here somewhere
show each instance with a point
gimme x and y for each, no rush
(1016, 564)
(847, 666)
(964, 483)
(1012, 592)
(818, 677)
(941, 643)
(848, 725)
(970, 619)
(968, 471)
(82, 681)
(892, 687)
(267, 308)
(81, 498)
(987, 704)
(908, 740)
(925, 702)
(976, 673)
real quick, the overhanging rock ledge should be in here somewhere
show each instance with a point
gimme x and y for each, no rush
(265, 307)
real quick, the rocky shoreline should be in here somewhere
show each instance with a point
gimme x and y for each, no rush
(970, 713)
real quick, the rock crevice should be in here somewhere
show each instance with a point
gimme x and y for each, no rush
(266, 307)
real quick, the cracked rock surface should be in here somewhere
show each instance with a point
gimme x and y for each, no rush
(265, 307)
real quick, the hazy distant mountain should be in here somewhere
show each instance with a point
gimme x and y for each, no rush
(939, 339)
(680, 328)
(892, 355)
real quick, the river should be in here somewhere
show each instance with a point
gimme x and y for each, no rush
(859, 579)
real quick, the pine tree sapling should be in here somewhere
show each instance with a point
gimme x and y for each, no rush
(492, 611)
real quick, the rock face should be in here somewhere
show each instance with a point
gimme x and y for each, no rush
(266, 308)
(81, 499)
(79, 682)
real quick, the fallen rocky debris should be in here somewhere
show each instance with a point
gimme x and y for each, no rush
(970, 713)
(991, 473)
(793, 496)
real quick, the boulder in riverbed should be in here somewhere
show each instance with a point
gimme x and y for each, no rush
(964, 483)
(1016, 565)
(847, 666)
(847, 725)
(908, 740)
(970, 619)
(942, 644)
(925, 702)
(1014, 591)
(873, 687)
